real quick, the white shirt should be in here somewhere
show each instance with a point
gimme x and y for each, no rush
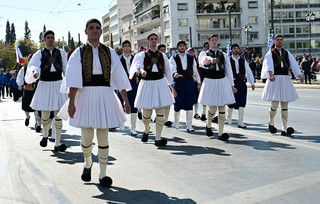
(248, 72)
(20, 77)
(184, 62)
(128, 60)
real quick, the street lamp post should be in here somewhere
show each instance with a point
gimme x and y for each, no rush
(309, 18)
(247, 29)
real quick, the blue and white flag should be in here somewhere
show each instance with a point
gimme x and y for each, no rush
(228, 47)
(270, 41)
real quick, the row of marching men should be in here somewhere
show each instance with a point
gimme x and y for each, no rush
(94, 71)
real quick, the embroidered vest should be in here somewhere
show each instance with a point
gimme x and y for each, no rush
(188, 73)
(212, 72)
(277, 59)
(240, 77)
(150, 59)
(47, 60)
(90, 79)
(124, 64)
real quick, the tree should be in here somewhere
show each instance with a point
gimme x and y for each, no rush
(27, 32)
(27, 47)
(41, 35)
(8, 56)
(69, 38)
(8, 33)
(13, 34)
(72, 45)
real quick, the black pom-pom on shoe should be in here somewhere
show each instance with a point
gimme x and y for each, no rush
(209, 131)
(145, 137)
(86, 174)
(272, 129)
(60, 148)
(224, 137)
(162, 142)
(105, 181)
(168, 123)
(290, 131)
(44, 142)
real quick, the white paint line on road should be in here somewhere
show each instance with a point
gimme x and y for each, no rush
(290, 107)
(269, 191)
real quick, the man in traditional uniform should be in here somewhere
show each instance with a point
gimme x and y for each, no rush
(94, 72)
(241, 71)
(202, 73)
(48, 65)
(153, 91)
(218, 87)
(126, 60)
(184, 70)
(279, 88)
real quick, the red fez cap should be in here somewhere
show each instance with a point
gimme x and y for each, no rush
(191, 49)
(142, 48)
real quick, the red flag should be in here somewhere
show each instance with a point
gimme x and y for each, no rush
(20, 59)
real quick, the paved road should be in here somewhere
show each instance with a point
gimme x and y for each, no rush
(253, 167)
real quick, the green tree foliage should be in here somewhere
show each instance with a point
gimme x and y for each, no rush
(8, 33)
(12, 34)
(27, 47)
(72, 45)
(41, 35)
(69, 38)
(8, 55)
(27, 31)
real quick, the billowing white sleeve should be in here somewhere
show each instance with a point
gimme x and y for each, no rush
(167, 70)
(74, 71)
(137, 64)
(64, 57)
(33, 66)
(202, 57)
(20, 77)
(119, 79)
(195, 72)
(267, 65)
(228, 70)
(249, 74)
(294, 65)
(173, 65)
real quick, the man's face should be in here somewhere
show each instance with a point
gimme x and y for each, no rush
(8, 70)
(278, 42)
(235, 50)
(126, 48)
(162, 49)
(182, 48)
(213, 42)
(93, 31)
(153, 41)
(49, 39)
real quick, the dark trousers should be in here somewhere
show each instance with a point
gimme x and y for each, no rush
(2, 91)
(9, 92)
(16, 94)
(306, 76)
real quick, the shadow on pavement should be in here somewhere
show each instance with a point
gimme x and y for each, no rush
(190, 150)
(115, 195)
(315, 139)
(261, 145)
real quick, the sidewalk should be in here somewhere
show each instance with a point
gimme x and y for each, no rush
(296, 83)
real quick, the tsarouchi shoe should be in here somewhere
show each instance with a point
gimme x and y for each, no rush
(105, 181)
(60, 148)
(86, 174)
(209, 131)
(161, 142)
(145, 137)
(224, 137)
(44, 142)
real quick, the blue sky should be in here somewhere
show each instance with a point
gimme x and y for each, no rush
(60, 16)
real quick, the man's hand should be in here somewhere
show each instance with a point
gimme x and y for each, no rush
(253, 87)
(206, 61)
(272, 78)
(127, 107)
(35, 74)
(301, 78)
(176, 75)
(20, 88)
(234, 90)
(214, 60)
(199, 86)
(143, 73)
(71, 109)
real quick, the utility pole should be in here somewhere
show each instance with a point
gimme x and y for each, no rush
(272, 29)
(230, 34)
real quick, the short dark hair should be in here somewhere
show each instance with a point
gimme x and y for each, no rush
(234, 45)
(278, 36)
(93, 20)
(126, 42)
(180, 42)
(48, 32)
(213, 36)
(161, 45)
(149, 36)
(205, 44)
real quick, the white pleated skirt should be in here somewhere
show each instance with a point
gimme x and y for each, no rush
(216, 92)
(96, 107)
(281, 89)
(153, 94)
(47, 96)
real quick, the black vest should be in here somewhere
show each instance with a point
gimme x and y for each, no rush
(90, 79)
(212, 72)
(242, 71)
(124, 64)
(277, 59)
(150, 59)
(188, 73)
(46, 62)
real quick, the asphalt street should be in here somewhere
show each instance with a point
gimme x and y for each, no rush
(252, 167)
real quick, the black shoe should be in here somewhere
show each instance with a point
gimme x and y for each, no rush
(242, 126)
(60, 148)
(26, 122)
(38, 128)
(190, 131)
(290, 131)
(224, 137)
(44, 142)
(196, 116)
(145, 137)
(284, 133)
(215, 119)
(203, 117)
(272, 129)
(168, 123)
(140, 115)
(105, 181)
(50, 132)
(209, 131)
(161, 142)
(113, 129)
(86, 174)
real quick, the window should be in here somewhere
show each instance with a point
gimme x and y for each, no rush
(184, 37)
(183, 7)
(167, 40)
(289, 44)
(253, 35)
(253, 19)
(277, 30)
(167, 24)
(252, 4)
(288, 29)
(166, 9)
(183, 22)
(288, 14)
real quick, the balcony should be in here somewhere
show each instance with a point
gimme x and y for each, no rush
(140, 8)
(214, 8)
(144, 35)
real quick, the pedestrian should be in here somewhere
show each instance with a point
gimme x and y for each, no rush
(279, 88)
(306, 66)
(258, 69)
(14, 87)
(241, 73)
(253, 67)
(3, 82)
(9, 76)
(153, 91)
(94, 72)
(184, 70)
(48, 65)
(218, 87)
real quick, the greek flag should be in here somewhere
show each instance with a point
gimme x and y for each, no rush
(270, 41)
(228, 48)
